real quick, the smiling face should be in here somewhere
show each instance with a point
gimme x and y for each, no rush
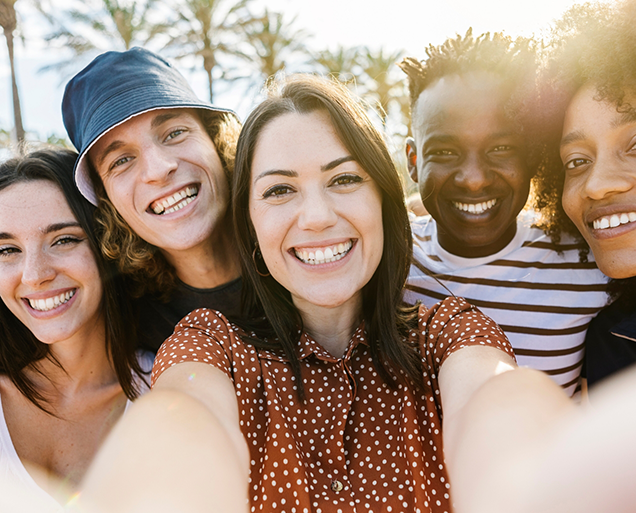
(598, 151)
(469, 163)
(164, 176)
(48, 274)
(316, 213)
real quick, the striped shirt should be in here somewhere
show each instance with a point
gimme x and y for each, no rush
(540, 294)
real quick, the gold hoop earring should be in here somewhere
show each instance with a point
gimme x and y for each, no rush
(256, 264)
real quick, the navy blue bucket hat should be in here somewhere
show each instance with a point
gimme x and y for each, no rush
(113, 88)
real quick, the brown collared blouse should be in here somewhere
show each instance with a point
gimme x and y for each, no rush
(354, 445)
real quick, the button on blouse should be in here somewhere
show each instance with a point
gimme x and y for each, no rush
(355, 444)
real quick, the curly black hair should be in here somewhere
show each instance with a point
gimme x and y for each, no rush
(595, 44)
(591, 43)
(514, 60)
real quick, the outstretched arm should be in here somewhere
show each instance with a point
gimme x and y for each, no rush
(179, 448)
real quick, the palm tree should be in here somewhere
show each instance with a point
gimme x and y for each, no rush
(208, 29)
(273, 41)
(93, 26)
(383, 80)
(342, 64)
(8, 21)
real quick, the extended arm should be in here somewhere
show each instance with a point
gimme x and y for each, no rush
(179, 448)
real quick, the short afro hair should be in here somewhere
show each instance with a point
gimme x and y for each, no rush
(514, 60)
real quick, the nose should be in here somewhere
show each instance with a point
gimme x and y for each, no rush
(316, 212)
(37, 269)
(158, 163)
(608, 176)
(474, 174)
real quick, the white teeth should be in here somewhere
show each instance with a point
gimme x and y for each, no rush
(613, 221)
(44, 305)
(174, 202)
(330, 254)
(475, 208)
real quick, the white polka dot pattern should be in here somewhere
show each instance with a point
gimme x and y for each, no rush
(355, 444)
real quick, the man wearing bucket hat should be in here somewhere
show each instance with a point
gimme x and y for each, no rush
(157, 161)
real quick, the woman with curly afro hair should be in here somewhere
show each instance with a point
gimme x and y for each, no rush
(589, 179)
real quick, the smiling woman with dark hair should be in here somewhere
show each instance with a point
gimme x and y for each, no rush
(67, 340)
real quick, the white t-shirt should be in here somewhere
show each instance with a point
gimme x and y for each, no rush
(13, 472)
(538, 292)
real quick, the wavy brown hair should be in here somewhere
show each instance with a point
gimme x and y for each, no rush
(149, 269)
(18, 346)
(387, 320)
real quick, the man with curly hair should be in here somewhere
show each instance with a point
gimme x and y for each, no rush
(475, 150)
(591, 80)
(157, 161)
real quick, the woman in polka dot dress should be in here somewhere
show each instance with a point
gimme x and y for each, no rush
(329, 396)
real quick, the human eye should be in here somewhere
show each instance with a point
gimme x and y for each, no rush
(173, 134)
(67, 240)
(346, 179)
(502, 148)
(6, 251)
(442, 152)
(119, 163)
(277, 191)
(575, 163)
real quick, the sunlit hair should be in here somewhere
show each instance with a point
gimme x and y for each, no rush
(18, 346)
(144, 262)
(591, 44)
(387, 321)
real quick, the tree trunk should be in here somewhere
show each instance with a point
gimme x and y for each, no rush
(17, 112)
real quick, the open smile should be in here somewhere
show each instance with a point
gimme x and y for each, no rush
(614, 220)
(475, 208)
(50, 303)
(323, 255)
(175, 201)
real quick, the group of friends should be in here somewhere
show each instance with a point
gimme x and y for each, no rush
(202, 316)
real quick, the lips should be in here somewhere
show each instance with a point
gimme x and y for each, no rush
(44, 305)
(323, 255)
(175, 201)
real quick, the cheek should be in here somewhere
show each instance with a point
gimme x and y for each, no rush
(570, 202)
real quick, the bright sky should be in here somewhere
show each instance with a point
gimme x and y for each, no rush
(393, 24)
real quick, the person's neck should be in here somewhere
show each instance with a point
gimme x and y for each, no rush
(332, 327)
(210, 264)
(75, 366)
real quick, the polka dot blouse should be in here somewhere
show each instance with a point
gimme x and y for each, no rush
(354, 445)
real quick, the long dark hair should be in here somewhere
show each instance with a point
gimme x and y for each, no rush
(18, 346)
(387, 320)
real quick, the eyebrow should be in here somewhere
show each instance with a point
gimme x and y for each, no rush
(49, 229)
(577, 135)
(289, 173)
(158, 120)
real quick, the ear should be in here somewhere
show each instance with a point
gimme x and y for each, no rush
(411, 158)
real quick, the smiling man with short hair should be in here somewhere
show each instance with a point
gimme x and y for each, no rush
(474, 153)
(157, 162)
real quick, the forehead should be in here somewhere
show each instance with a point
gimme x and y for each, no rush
(586, 114)
(32, 205)
(141, 124)
(455, 101)
(295, 140)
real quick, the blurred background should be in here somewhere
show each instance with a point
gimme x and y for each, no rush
(227, 49)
